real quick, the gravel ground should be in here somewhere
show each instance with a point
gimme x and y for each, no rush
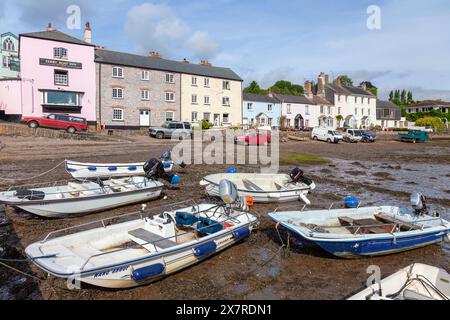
(254, 269)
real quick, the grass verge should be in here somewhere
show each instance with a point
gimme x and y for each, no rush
(290, 158)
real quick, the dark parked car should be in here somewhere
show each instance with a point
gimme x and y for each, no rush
(368, 136)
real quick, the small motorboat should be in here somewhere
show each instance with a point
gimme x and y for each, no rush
(415, 282)
(264, 187)
(75, 198)
(366, 231)
(141, 251)
(83, 171)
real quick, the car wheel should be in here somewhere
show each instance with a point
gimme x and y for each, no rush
(160, 135)
(33, 124)
(328, 140)
(71, 130)
(315, 138)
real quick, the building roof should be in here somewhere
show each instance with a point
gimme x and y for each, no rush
(56, 35)
(349, 90)
(8, 34)
(288, 98)
(138, 61)
(319, 100)
(427, 103)
(382, 104)
(259, 98)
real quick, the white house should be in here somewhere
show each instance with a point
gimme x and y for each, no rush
(298, 111)
(356, 105)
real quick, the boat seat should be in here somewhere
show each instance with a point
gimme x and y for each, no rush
(250, 185)
(371, 226)
(403, 225)
(346, 221)
(151, 238)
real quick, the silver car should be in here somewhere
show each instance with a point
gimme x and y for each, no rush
(182, 130)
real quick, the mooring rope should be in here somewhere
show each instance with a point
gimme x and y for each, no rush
(38, 176)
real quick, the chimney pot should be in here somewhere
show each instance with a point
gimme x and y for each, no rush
(49, 27)
(205, 63)
(185, 60)
(154, 54)
(88, 33)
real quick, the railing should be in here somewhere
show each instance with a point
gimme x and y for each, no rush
(229, 219)
(303, 207)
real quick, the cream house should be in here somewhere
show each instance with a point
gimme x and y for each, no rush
(211, 93)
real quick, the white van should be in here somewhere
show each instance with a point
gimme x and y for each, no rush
(325, 134)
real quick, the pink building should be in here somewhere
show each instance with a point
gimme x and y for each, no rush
(57, 75)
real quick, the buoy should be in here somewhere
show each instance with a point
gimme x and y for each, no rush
(232, 170)
(351, 202)
(147, 272)
(242, 233)
(205, 249)
(175, 180)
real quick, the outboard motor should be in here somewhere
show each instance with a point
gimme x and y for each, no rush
(154, 169)
(166, 156)
(418, 203)
(297, 175)
(229, 194)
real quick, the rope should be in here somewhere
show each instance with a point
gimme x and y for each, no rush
(38, 176)
(21, 272)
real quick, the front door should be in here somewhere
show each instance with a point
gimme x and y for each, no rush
(144, 118)
(299, 122)
(217, 120)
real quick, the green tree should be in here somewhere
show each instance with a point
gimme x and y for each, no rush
(403, 96)
(286, 87)
(410, 99)
(254, 88)
(346, 80)
(433, 122)
(391, 95)
(397, 95)
(370, 87)
(339, 119)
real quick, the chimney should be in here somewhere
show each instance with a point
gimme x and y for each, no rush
(308, 89)
(185, 61)
(49, 27)
(154, 54)
(363, 86)
(205, 63)
(337, 81)
(88, 33)
(321, 87)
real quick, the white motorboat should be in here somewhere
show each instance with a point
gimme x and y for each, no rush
(264, 188)
(415, 282)
(141, 251)
(83, 171)
(74, 198)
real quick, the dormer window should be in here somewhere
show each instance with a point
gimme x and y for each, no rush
(59, 53)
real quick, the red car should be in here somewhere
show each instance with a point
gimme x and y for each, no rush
(57, 121)
(253, 138)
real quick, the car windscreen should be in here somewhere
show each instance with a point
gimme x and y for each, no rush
(336, 133)
(166, 125)
(357, 133)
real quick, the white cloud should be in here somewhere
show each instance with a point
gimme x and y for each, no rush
(203, 45)
(154, 27)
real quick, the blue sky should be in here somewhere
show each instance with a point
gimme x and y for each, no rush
(268, 40)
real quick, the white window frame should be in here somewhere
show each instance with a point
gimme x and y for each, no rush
(269, 108)
(59, 78)
(194, 81)
(249, 106)
(194, 116)
(169, 96)
(226, 101)
(288, 108)
(194, 99)
(207, 101)
(117, 111)
(307, 110)
(117, 72)
(171, 117)
(170, 78)
(226, 85)
(117, 93)
(60, 53)
(206, 82)
(228, 118)
(145, 95)
(145, 75)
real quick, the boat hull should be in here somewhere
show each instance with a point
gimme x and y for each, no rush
(262, 196)
(120, 276)
(372, 247)
(90, 171)
(77, 206)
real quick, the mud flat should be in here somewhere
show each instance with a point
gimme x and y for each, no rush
(254, 269)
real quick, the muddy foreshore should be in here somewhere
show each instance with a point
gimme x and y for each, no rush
(256, 268)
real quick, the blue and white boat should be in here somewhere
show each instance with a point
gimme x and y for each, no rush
(91, 171)
(368, 231)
